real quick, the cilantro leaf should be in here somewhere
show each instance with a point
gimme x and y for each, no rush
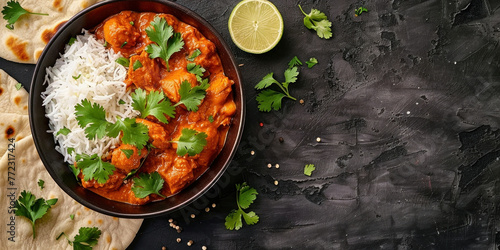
(196, 69)
(167, 41)
(191, 97)
(269, 99)
(137, 64)
(94, 116)
(211, 118)
(86, 238)
(41, 184)
(155, 103)
(93, 167)
(318, 21)
(266, 81)
(127, 152)
(75, 171)
(191, 142)
(63, 131)
(194, 54)
(12, 11)
(123, 61)
(360, 10)
(294, 62)
(290, 76)
(27, 205)
(147, 184)
(245, 195)
(308, 169)
(312, 61)
(19, 86)
(134, 133)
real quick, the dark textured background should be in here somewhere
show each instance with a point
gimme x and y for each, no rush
(405, 99)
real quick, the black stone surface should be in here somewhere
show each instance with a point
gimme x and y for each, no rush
(406, 101)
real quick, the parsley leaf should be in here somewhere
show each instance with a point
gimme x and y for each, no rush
(196, 69)
(270, 99)
(167, 41)
(147, 184)
(318, 21)
(93, 167)
(191, 142)
(155, 103)
(12, 11)
(308, 169)
(41, 184)
(245, 195)
(294, 62)
(194, 54)
(191, 97)
(94, 116)
(312, 61)
(32, 208)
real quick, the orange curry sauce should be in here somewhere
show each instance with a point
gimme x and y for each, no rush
(176, 171)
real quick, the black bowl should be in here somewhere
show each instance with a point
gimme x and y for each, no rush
(44, 141)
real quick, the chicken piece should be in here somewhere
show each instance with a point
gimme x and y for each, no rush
(145, 77)
(179, 175)
(126, 164)
(172, 82)
(220, 88)
(115, 181)
(157, 134)
(119, 33)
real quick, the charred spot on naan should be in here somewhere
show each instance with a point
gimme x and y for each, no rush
(18, 48)
(49, 33)
(9, 132)
(17, 100)
(1, 91)
(57, 5)
(38, 53)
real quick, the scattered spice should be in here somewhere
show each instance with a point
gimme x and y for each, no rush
(190, 242)
(178, 240)
(252, 152)
(318, 139)
(276, 183)
(269, 165)
(192, 216)
(281, 139)
(241, 65)
(277, 165)
(207, 209)
(301, 101)
(204, 248)
(261, 124)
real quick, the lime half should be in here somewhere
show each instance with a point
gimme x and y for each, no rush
(256, 26)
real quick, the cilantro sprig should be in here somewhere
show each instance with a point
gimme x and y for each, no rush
(13, 10)
(270, 99)
(245, 195)
(86, 238)
(94, 116)
(32, 208)
(147, 184)
(93, 167)
(191, 97)
(318, 21)
(190, 142)
(167, 41)
(308, 169)
(155, 103)
(360, 10)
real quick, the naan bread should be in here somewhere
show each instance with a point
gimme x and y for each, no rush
(31, 33)
(116, 233)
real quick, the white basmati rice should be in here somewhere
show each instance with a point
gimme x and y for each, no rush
(99, 79)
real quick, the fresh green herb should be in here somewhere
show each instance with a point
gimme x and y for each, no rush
(360, 10)
(72, 216)
(121, 101)
(132, 23)
(191, 97)
(127, 152)
(137, 64)
(19, 86)
(41, 184)
(94, 168)
(70, 150)
(123, 44)
(211, 118)
(77, 77)
(155, 104)
(294, 62)
(245, 195)
(123, 61)
(167, 42)
(317, 20)
(105, 44)
(133, 133)
(194, 54)
(147, 184)
(12, 11)
(308, 169)
(32, 208)
(269, 99)
(75, 171)
(71, 41)
(312, 61)
(86, 238)
(197, 70)
(63, 131)
(191, 142)
(94, 116)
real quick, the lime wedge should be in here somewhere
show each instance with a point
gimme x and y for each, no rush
(256, 26)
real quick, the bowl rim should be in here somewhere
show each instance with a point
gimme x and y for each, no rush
(226, 162)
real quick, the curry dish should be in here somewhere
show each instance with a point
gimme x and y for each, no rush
(126, 33)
